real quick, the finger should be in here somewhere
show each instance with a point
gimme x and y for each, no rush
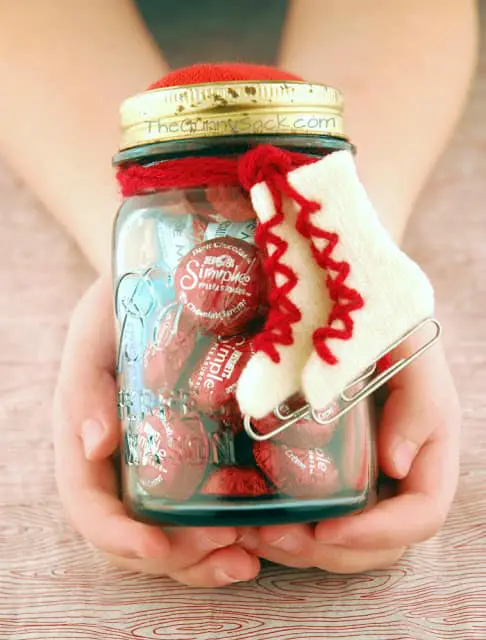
(149, 566)
(248, 538)
(344, 560)
(416, 514)
(189, 546)
(290, 545)
(86, 389)
(221, 568)
(422, 404)
(206, 564)
(295, 546)
(88, 492)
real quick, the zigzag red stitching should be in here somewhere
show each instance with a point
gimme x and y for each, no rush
(283, 312)
(346, 299)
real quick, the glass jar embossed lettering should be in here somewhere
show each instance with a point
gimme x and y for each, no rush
(191, 293)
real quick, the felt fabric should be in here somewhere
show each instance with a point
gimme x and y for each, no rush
(222, 72)
(397, 293)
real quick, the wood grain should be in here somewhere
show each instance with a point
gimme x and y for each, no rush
(54, 586)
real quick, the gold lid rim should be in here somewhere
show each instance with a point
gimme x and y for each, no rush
(212, 109)
(229, 83)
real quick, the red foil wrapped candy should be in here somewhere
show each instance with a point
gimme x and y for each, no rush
(241, 230)
(221, 282)
(173, 453)
(300, 473)
(164, 359)
(212, 384)
(235, 481)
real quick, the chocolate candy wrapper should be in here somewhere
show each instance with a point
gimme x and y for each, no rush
(221, 203)
(212, 384)
(177, 235)
(300, 473)
(139, 246)
(173, 453)
(229, 203)
(173, 343)
(240, 230)
(221, 284)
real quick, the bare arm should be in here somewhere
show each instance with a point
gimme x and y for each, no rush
(405, 68)
(65, 66)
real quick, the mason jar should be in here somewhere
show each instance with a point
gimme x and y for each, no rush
(187, 457)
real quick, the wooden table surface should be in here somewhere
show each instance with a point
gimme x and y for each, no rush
(53, 585)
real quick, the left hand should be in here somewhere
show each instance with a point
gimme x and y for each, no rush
(418, 445)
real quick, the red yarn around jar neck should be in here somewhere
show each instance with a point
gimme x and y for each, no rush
(257, 165)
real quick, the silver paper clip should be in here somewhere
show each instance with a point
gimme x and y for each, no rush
(346, 401)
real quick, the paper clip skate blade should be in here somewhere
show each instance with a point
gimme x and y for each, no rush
(379, 380)
(348, 402)
(295, 416)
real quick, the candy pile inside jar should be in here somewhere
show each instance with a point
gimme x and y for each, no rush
(188, 442)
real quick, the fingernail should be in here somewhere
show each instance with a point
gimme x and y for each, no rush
(249, 540)
(92, 433)
(403, 455)
(289, 543)
(222, 577)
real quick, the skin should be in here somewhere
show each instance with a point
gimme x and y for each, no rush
(405, 68)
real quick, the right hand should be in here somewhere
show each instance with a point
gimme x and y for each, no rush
(87, 433)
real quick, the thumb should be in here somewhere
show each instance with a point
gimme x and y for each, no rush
(404, 430)
(100, 432)
(414, 412)
(86, 390)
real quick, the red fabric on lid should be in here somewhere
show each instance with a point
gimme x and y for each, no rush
(230, 72)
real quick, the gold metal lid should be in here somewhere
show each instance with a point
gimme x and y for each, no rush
(231, 109)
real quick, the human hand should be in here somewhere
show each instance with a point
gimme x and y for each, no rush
(87, 433)
(418, 445)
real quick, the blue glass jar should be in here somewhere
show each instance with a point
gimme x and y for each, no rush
(188, 459)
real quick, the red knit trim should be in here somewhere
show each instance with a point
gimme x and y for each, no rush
(185, 173)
